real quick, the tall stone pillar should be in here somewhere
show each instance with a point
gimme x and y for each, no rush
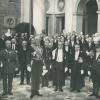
(25, 10)
(79, 26)
(68, 15)
(77, 22)
(39, 15)
(74, 22)
(86, 24)
(98, 23)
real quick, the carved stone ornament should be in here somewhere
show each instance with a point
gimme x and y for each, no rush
(61, 5)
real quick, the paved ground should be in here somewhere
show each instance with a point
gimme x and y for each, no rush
(23, 92)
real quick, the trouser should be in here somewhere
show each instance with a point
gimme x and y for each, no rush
(95, 88)
(59, 75)
(47, 63)
(45, 80)
(36, 75)
(7, 82)
(23, 72)
(95, 81)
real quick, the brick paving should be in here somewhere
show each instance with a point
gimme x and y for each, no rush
(23, 92)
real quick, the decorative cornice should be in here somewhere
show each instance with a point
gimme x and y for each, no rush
(98, 12)
(78, 14)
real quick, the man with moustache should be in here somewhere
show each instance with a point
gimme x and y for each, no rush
(9, 63)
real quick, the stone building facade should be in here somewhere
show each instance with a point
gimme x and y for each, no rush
(10, 14)
(53, 15)
(56, 15)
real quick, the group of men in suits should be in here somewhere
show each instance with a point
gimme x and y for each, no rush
(74, 55)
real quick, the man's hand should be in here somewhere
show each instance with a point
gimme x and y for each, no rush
(1, 65)
(69, 70)
(16, 69)
(82, 72)
(66, 69)
(44, 67)
(29, 68)
(89, 73)
(44, 72)
(87, 52)
(50, 66)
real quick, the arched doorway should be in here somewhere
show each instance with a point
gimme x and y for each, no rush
(86, 16)
(90, 17)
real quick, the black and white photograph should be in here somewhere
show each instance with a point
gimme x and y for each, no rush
(49, 49)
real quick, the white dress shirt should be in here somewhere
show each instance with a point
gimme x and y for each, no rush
(76, 55)
(66, 48)
(72, 43)
(53, 54)
(60, 55)
(97, 54)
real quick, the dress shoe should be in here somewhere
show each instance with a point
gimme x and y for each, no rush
(61, 90)
(72, 90)
(3, 94)
(97, 96)
(78, 90)
(28, 83)
(10, 93)
(92, 94)
(39, 94)
(21, 83)
(32, 95)
(56, 89)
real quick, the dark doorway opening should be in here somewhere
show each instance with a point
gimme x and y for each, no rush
(60, 23)
(90, 17)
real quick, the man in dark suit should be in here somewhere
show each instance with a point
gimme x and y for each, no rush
(47, 55)
(58, 56)
(9, 63)
(67, 58)
(34, 61)
(22, 53)
(91, 53)
(76, 77)
(95, 74)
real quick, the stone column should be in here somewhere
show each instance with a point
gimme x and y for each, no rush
(74, 23)
(25, 10)
(79, 26)
(86, 24)
(68, 15)
(39, 15)
(98, 22)
(77, 22)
